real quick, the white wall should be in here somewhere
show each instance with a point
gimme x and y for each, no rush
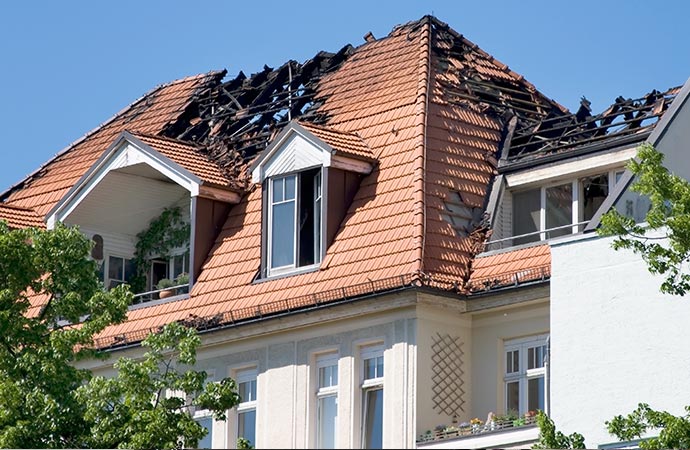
(615, 340)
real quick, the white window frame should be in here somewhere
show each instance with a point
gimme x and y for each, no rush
(243, 376)
(106, 268)
(318, 196)
(523, 374)
(322, 361)
(577, 213)
(370, 384)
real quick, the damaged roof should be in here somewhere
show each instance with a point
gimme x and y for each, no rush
(625, 121)
(429, 106)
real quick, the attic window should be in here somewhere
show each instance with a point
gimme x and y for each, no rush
(294, 215)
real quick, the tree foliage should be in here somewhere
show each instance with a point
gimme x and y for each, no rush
(674, 431)
(38, 380)
(549, 437)
(147, 405)
(46, 283)
(669, 213)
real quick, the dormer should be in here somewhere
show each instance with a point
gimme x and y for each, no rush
(135, 180)
(308, 175)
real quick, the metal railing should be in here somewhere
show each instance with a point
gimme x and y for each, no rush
(541, 235)
(160, 294)
(468, 429)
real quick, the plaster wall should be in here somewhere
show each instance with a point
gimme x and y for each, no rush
(616, 340)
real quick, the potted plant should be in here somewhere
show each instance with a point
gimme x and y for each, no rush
(183, 281)
(164, 286)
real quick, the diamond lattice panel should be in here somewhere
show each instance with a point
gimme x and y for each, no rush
(447, 361)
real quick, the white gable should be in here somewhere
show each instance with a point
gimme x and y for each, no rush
(295, 154)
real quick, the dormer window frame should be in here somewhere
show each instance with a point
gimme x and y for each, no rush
(276, 199)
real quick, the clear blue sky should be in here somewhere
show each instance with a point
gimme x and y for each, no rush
(68, 66)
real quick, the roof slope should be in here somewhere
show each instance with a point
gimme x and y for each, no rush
(18, 217)
(150, 114)
(431, 147)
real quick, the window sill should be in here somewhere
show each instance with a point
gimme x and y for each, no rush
(290, 273)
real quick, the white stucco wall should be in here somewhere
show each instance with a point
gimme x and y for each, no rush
(615, 340)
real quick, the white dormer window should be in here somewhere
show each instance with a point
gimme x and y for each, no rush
(309, 175)
(294, 238)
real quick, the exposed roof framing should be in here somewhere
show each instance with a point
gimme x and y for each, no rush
(556, 134)
(238, 118)
(503, 92)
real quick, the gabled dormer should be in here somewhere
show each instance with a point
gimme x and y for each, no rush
(134, 181)
(308, 175)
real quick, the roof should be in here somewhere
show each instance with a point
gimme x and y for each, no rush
(348, 144)
(18, 217)
(151, 114)
(625, 121)
(511, 268)
(425, 103)
(188, 155)
(390, 97)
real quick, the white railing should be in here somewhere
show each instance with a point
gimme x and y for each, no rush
(540, 235)
(468, 429)
(160, 294)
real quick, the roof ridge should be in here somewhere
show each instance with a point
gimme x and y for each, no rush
(99, 127)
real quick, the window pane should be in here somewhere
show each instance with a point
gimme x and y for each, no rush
(513, 361)
(373, 414)
(535, 357)
(373, 368)
(526, 215)
(247, 391)
(130, 270)
(513, 396)
(246, 426)
(559, 209)
(290, 187)
(206, 441)
(115, 268)
(535, 394)
(594, 191)
(328, 415)
(283, 235)
(328, 376)
(278, 186)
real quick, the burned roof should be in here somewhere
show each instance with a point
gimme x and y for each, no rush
(625, 121)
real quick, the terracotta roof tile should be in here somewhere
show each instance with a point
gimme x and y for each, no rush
(189, 156)
(18, 217)
(511, 267)
(347, 143)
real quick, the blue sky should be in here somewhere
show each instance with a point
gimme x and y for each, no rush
(70, 65)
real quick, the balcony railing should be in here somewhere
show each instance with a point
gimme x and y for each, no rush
(474, 429)
(534, 236)
(160, 294)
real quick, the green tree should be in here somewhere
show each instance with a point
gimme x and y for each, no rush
(38, 379)
(147, 405)
(549, 437)
(45, 401)
(674, 431)
(667, 251)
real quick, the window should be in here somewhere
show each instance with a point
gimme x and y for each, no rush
(168, 268)
(294, 221)
(326, 401)
(206, 422)
(372, 393)
(120, 270)
(524, 374)
(560, 209)
(246, 410)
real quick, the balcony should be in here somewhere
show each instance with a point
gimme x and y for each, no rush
(499, 432)
(149, 298)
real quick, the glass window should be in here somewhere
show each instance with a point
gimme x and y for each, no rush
(295, 221)
(120, 270)
(524, 374)
(373, 418)
(559, 209)
(283, 222)
(372, 400)
(327, 401)
(526, 215)
(246, 410)
(593, 192)
(206, 441)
